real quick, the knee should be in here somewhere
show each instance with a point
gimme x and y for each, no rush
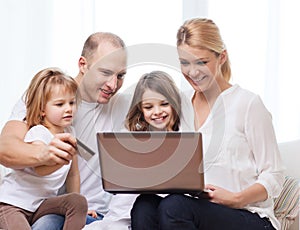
(145, 204)
(171, 206)
(77, 202)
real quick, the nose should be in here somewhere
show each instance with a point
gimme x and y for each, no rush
(193, 71)
(69, 107)
(112, 82)
(157, 110)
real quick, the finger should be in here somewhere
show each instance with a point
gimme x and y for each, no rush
(66, 138)
(210, 187)
(66, 147)
(59, 156)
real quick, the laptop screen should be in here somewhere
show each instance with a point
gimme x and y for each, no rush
(151, 162)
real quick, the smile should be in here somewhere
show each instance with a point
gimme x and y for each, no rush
(199, 79)
(159, 119)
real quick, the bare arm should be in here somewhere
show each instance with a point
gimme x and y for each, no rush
(254, 193)
(73, 178)
(15, 153)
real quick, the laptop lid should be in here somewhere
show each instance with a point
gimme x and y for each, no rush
(151, 162)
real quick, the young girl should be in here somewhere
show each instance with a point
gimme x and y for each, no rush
(27, 194)
(156, 104)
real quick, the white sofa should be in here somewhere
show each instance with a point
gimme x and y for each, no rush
(290, 153)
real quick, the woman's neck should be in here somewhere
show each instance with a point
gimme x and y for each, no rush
(203, 101)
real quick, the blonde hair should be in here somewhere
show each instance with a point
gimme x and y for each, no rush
(160, 82)
(203, 33)
(40, 89)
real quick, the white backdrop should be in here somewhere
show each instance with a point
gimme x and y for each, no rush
(262, 38)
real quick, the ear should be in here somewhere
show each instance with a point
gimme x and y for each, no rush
(82, 64)
(223, 57)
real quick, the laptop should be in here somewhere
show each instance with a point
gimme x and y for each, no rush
(151, 162)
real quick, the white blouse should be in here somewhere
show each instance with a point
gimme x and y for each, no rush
(240, 147)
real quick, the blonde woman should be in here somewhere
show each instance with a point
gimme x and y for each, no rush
(243, 169)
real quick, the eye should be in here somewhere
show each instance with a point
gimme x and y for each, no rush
(59, 104)
(72, 102)
(182, 62)
(105, 73)
(202, 62)
(147, 107)
(121, 76)
(166, 103)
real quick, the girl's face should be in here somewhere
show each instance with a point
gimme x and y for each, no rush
(201, 67)
(59, 110)
(157, 110)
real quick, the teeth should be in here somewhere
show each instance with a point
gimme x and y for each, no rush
(200, 79)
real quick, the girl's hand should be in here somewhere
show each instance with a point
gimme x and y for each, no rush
(92, 213)
(222, 196)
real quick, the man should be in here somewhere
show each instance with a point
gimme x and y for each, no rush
(102, 67)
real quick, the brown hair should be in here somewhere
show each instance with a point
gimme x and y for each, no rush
(39, 92)
(160, 82)
(203, 33)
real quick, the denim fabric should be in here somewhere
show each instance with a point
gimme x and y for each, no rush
(49, 222)
(90, 219)
(183, 212)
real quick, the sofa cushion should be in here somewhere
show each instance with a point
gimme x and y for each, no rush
(286, 206)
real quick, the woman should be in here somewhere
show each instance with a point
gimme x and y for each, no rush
(243, 169)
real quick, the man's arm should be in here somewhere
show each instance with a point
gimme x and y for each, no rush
(15, 153)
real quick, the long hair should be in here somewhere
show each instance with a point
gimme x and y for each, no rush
(203, 33)
(160, 82)
(40, 89)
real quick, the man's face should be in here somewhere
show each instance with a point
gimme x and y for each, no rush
(103, 74)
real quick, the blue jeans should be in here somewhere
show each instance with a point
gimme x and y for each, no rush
(178, 211)
(56, 222)
(49, 222)
(90, 219)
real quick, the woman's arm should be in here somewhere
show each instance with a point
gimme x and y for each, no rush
(15, 153)
(254, 193)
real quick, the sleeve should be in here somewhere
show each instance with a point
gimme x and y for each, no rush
(262, 141)
(19, 111)
(38, 133)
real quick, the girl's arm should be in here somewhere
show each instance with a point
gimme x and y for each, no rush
(73, 178)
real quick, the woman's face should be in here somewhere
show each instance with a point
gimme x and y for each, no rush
(201, 67)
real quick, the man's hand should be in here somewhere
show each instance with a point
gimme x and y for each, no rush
(15, 153)
(60, 150)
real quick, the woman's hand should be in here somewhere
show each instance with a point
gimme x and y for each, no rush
(252, 194)
(222, 196)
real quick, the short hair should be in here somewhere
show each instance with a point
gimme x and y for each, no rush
(95, 39)
(160, 82)
(203, 33)
(40, 90)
